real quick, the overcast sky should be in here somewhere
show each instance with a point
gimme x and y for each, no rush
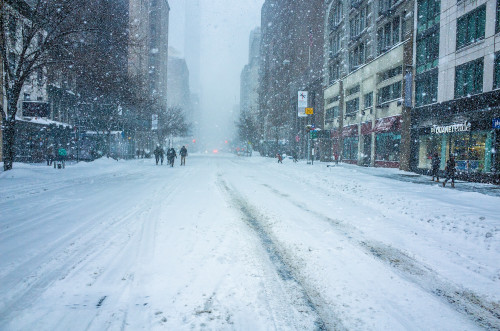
(225, 29)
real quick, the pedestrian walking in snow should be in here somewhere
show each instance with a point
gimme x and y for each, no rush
(162, 155)
(171, 155)
(435, 163)
(183, 152)
(280, 158)
(450, 171)
(159, 153)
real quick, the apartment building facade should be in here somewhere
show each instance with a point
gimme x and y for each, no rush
(457, 86)
(367, 45)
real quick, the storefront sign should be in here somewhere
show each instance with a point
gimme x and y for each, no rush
(461, 127)
(496, 123)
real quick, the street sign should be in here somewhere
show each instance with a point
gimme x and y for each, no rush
(496, 123)
(309, 111)
(302, 103)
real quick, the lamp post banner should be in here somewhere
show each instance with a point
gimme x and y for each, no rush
(302, 103)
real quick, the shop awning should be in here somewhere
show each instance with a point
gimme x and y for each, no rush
(351, 130)
(334, 134)
(387, 124)
(366, 128)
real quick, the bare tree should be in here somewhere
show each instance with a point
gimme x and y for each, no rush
(171, 122)
(44, 26)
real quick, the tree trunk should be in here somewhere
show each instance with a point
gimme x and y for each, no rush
(9, 132)
(8, 143)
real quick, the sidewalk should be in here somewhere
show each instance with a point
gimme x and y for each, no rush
(411, 177)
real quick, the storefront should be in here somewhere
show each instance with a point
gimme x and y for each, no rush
(472, 144)
(350, 144)
(387, 140)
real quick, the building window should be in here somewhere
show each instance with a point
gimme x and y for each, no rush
(389, 93)
(335, 43)
(426, 86)
(352, 90)
(359, 22)
(496, 78)
(331, 114)
(333, 72)
(428, 14)
(469, 78)
(368, 99)
(384, 6)
(387, 146)
(357, 56)
(350, 151)
(332, 100)
(388, 35)
(352, 106)
(470, 27)
(427, 51)
(335, 15)
(390, 74)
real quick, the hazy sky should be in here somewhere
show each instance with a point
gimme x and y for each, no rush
(225, 29)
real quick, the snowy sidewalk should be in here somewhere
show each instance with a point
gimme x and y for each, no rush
(411, 177)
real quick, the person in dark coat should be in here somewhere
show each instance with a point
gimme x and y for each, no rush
(450, 171)
(171, 155)
(162, 155)
(435, 163)
(156, 152)
(280, 158)
(183, 152)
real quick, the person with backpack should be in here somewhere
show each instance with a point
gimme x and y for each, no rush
(183, 152)
(171, 155)
(450, 171)
(435, 163)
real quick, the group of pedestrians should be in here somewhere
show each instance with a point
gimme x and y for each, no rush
(159, 153)
(449, 170)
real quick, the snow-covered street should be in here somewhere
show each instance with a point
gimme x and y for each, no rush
(243, 243)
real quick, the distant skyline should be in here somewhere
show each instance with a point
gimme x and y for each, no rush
(225, 29)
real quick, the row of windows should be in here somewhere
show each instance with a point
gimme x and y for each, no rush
(471, 27)
(468, 81)
(359, 22)
(428, 14)
(357, 56)
(389, 93)
(427, 51)
(385, 94)
(388, 74)
(389, 35)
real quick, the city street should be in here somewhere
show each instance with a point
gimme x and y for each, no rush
(231, 242)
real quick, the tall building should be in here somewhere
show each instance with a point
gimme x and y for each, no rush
(291, 61)
(179, 94)
(148, 59)
(249, 79)
(148, 52)
(368, 48)
(457, 86)
(192, 43)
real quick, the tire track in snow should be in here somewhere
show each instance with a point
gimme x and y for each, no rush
(87, 245)
(481, 311)
(309, 301)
